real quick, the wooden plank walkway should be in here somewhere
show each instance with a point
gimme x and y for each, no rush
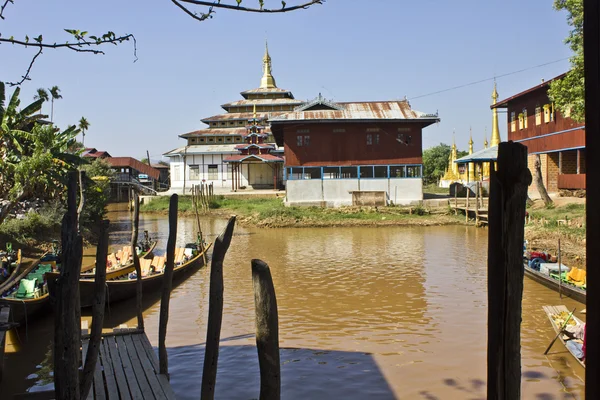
(128, 368)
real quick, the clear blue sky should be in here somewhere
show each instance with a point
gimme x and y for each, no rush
(349, 50)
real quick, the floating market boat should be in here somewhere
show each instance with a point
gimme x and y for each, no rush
(187, 261)
(572, 280)
(119, 263)
(557, 316)
(27, 295)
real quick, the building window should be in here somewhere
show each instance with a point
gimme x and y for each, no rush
(366, 172)
(520, 121)
(567, 112)
(303, 131)
(397, 171)
(299, 140)
(381, 172)
(525, 118)
(376, 138)
(228, 140)
(213, 172)
(339, 130)
(331, 172)
(513, 122)
(413, 171)
(547, 113)
(201, 140)
(369, 139)
(372, 129)
(176, 173)
(538, 115)
(220, 139)
(306, 140)
(194, 172)
(210, 140)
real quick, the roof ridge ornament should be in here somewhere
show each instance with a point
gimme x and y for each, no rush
(319, 100)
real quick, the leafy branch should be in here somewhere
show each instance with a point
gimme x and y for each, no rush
(237, 7)
(82, 44)
(4, 6)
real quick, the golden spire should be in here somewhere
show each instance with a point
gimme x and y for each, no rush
(267, 81)
(495, 127)
(470, 140)
(485, 142)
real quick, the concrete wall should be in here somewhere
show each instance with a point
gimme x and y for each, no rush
(337, 192)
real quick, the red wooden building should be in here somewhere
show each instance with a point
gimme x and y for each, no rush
(533, 121)
(335, 151)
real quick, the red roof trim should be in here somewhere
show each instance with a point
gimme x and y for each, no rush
(504, 103)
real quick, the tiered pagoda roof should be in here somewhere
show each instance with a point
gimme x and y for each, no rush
(270, 100)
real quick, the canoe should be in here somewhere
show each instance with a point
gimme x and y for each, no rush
(25, 305)
(567, 289)
(555, 310)
(125, 288)
(118, 270)
(15, 269)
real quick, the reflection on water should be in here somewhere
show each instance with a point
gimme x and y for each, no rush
(383, 313)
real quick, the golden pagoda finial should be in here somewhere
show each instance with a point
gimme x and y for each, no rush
(485, 142)
(470, 140)
(267, 81)
(495, 141)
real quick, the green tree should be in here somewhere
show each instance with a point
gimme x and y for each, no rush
(568, 93)
(34, 158)
(83, 126)
(55, 95)
(97, 192)
(41, 93)
(435, 162)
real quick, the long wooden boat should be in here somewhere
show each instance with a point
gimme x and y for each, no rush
(118, 270)
(122, 289)
(567, 289)
(5, 282)
(24, 308)
(555, 310)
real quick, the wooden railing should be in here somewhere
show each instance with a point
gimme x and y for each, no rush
(571, 181)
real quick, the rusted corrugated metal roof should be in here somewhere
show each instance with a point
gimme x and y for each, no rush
(266, 90)
(203, 149)
(131, 162)
(372, 110)
(220, 132)
(239, 116)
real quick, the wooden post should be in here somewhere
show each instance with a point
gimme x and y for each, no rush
(455, 200)
(215, 312)
(506, 221)
(81, 175)
(267, 331)
(477, 204)
(97, 311)
(67, 330)
(167, 285)
(467, 205)
(559, 271)
(136, 260)
(591, 32)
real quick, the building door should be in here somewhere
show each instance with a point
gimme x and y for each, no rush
(261, 175)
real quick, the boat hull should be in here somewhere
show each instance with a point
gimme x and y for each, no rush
(24, 311)
(567, 290)
(549, 310)
(119, 290)
(126, 269)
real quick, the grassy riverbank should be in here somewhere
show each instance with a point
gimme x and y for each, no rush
(270, 212)
(565, 221)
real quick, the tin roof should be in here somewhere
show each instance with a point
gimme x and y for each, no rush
(260, 157)
(118, 162)
(371, 110)
(262, 102)
(267, 91)
(204, 149)
(489, 154)
(219, 132)
(239, 116)
(504, 103)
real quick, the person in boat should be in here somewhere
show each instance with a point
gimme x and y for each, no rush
(577, 343)
(547, 257)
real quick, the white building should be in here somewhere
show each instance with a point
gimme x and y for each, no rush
(201, 159)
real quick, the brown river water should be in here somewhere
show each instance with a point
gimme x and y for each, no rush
(364, 313)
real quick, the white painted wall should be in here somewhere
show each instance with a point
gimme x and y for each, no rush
(336, 192)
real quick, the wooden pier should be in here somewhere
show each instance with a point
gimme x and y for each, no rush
(127, 368)
(476, 206)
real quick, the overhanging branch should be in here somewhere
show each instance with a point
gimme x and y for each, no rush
(218, 4)
(81, 46)
(4, 6)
